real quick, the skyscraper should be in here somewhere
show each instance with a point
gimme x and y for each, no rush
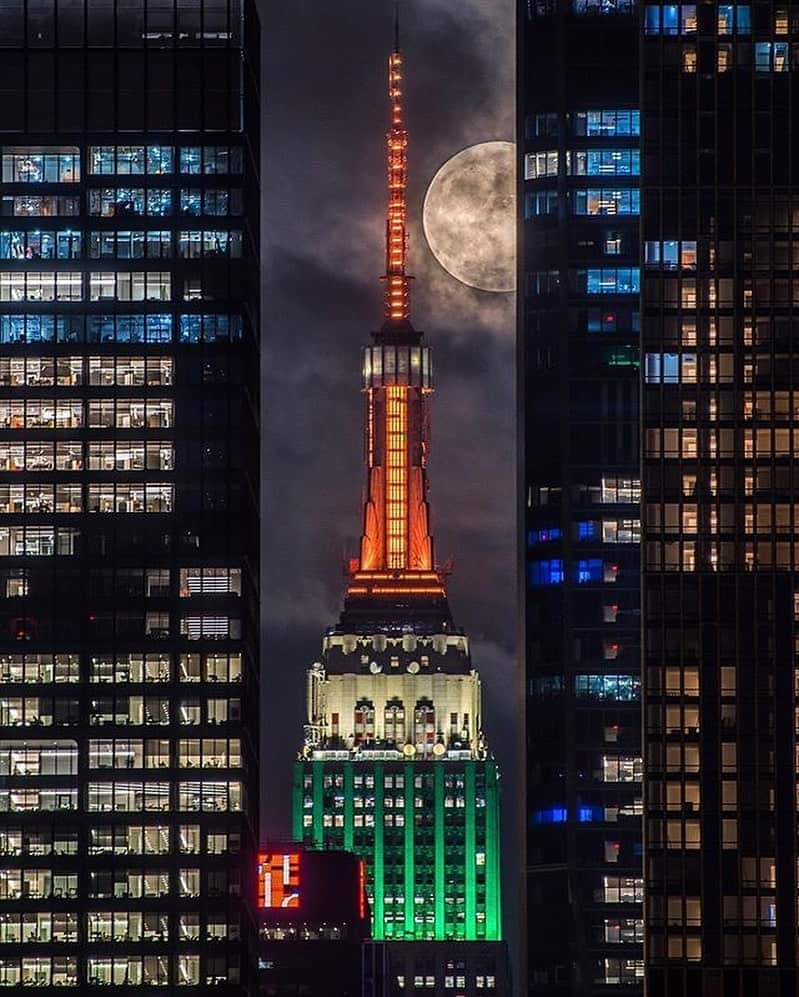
(720, 291)
(716, 294)
(129, 477)
(394, 765)
(579, 310)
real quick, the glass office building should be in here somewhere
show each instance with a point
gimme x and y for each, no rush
(712, 276)
(129, 233)
(720, 489)
(579, 318)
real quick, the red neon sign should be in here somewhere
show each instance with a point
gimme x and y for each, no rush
(361, 889)
(279, 880)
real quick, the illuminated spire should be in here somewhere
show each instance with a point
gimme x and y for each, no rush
(397, 282)
(396, 568)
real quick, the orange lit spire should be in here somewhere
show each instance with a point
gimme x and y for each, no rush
(396, 563)
(397, 282)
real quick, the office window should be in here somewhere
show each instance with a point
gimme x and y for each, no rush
(540, 164)
(127, 202)
(606, 123)
(209, 328)
(603, 6)
(619, 688)
(211, 159)
(598, 201)
(136, 285)
(39, 164)
(610, 280)
(130, 159)
(670, 19)
(603, 162)
(129, 498)
(772, 57)
(546, 572)
(151, 328)
(40, 286)
(209, 243)
(540, 202)
(64, 244)
(205, 581)
(130, 245)
(38, 206)
(196, 201)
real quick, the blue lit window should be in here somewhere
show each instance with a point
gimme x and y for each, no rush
(209, 328)
(69, 328)
(32, 245)
(621, 688)
(552, 815)
(543, 536)
(191, 201)
(610, 280)
(586, 531)
(159, 202)
(606, 123)
(191, 159)
(670, 19)
(603, 6)
(153, 328)
(196, 159)
(599, 201)
(546, 572)
(587, 815)
(734, 18)
(160, 159)
(604, 162)
(670, 255)
(589, 570)
(772, 57)
(159, 328)
(27, 328)
(664, 368)
(540, 202)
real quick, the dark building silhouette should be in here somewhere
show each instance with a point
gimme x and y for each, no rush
(129, 480)
(313, 918)
(579, 318)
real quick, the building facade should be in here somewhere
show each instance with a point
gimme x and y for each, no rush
(129, 478)
(313, 919)
(719, 220)
(394, 764)
(579, 318)
(712, 277)
(469, 969)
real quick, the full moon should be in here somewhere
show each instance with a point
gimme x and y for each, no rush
(469, 216)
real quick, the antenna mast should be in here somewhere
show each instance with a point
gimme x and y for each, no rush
(397, 289)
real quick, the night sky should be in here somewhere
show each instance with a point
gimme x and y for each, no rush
(325, 118)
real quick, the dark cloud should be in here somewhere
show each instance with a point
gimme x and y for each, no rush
(324, 93)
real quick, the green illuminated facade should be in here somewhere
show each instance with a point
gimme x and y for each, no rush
(429, 832)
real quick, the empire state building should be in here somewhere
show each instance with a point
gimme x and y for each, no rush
(394, 764)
